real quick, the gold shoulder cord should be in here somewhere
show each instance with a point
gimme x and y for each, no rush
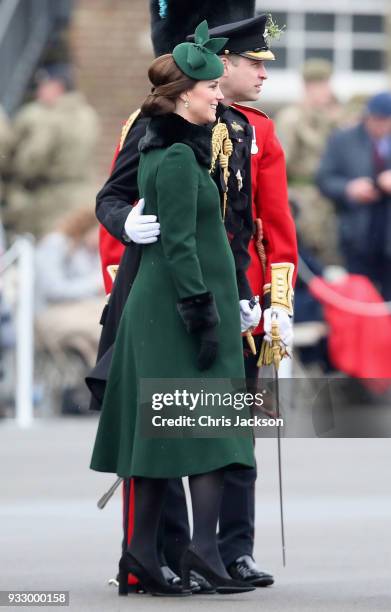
(221, 150)
(112, 269)
(126, 128)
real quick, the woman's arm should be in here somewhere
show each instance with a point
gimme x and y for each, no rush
(177, 194)
(177, 189)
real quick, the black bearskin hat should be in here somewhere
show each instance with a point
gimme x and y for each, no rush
(173, 20)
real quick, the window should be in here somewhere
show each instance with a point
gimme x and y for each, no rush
(368, 23)
(352, 42)
(320, 22)
(281, 58)
(279, 17)
(371, 60)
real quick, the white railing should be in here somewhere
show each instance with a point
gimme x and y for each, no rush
(21, 255)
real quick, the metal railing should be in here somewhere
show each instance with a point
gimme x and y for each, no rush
(25, 27)
(21, 254)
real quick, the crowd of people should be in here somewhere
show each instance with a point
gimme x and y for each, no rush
(47, 190)
(338, 159)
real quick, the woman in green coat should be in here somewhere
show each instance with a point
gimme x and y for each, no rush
(181, 318)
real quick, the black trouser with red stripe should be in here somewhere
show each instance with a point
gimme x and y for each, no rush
(236, 522)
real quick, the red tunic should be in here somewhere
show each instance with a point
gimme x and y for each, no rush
(269, 203)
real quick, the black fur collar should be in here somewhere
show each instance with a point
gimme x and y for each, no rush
(165, 130)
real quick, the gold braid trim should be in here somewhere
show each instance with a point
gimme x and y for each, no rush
(221, 150)
(282, 297)
(126, 128)
(112, 270)
(282, 290)
(266, 353)
(259, 243)
(271, 353)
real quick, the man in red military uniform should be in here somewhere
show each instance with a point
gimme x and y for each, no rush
(273, 246)
(270, 206)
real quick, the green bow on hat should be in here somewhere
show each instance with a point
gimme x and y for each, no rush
(198, 60)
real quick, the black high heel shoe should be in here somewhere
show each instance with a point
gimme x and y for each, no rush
(191, 561)
(154, 585)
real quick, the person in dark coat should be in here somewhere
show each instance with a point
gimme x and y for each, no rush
(355, 172)
(181, 317)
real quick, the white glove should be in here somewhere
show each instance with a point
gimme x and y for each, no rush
(285, 325)
(141, 229)
(249, 317)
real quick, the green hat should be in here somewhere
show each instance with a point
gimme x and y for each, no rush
(198, 60)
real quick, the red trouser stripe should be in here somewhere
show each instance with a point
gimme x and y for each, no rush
(128, 518)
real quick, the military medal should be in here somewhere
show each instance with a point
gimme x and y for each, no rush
(254, 146)
(237, 127)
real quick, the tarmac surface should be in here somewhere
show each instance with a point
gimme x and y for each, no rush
(337, 523)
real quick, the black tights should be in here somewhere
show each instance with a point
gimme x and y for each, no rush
(206, 493)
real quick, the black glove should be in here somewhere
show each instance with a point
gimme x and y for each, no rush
(200, 316)
(208, 348)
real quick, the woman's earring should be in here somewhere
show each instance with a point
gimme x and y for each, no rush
(187, 104)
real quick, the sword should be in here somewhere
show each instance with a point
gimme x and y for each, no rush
(249, 337)
(109, 494)
(276, 346)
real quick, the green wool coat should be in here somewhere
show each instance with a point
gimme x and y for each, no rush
(191, 257)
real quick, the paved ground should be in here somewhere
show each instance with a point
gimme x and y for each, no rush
(338, 519)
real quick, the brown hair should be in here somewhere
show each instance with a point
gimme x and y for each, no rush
(234, 58)
(77, 223)
(168, 84)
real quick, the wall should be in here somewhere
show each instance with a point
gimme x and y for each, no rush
(112, 51)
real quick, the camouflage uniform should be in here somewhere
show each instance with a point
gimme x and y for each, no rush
(51, 164)
(303, 133)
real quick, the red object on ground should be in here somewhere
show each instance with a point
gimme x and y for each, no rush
(359, 344)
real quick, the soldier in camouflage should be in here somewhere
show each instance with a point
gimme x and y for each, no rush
(50, 168)
(303, 129)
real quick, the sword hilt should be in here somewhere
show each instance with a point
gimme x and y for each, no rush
(249, 337)
(276, 343)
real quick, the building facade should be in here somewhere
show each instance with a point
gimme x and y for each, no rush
(353, 34)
